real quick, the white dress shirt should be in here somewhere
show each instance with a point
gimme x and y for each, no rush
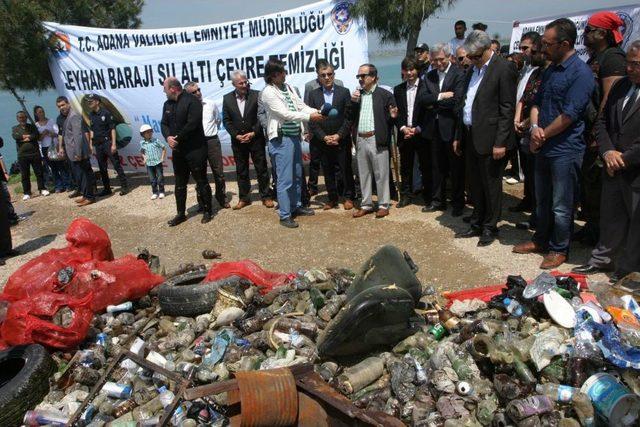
(241, 102)
(210, 118)
(455, 43)
(474, 84)
(328, 94)
(412, 91)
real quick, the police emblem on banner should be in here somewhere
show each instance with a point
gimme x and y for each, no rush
(59, 44)
(627, 28)
(341, 18)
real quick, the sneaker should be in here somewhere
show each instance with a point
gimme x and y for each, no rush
(26, 197)
(154, 196)
(161, 196)
(511, 181)
(45, 192)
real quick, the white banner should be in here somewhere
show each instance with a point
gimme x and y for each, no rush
(629, 14)
(127, 67)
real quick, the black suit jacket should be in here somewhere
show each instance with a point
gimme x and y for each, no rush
(446, 110)
(493, 107)
(400, 94)
(237, 124)
(183, 119)
(340, 124)
(614, 133)
(383, 123)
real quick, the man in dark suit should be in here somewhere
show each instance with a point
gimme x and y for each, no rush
(332, 137)
(618, 137)
(374, 112)
(240, 118)
(411, 141)
(486, 132)
(314, 151)
(182, 129)
(445, 89)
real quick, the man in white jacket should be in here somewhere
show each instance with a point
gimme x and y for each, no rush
(285, 116)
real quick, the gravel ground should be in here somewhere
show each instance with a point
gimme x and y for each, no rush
(328, 239)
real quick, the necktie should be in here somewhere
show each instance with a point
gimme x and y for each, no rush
(632, 100)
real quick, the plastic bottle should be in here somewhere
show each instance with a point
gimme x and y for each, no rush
(513, 307)
(459, 365)
(119, 391)
(584, 408)
(557, 392)
(166, 396)
(125, 306)
(147, 410)
(523, 371)
(39, 417)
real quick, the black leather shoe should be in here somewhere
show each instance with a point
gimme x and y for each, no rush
(471, 232)
(206, 217)
(289, 223)
(520, 207)
(124, 191)
(487, 237)
(10, 254)
(304, 212)
(404, 201)
(178, 219)
(467, 219)
(456, 212)
(104, 193)
(587, 269)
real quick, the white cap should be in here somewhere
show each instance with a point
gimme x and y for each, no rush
(145, 128)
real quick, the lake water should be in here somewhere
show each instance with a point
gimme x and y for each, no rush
(388, 69)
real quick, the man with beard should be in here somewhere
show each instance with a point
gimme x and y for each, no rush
(182, 128)
(602, 37)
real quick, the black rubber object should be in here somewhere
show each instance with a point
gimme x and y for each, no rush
(187, 294)
(24, 381)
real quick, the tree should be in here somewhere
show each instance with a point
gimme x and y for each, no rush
(25, 42)
(397, 20)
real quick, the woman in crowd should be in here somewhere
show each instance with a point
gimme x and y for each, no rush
(55, 167)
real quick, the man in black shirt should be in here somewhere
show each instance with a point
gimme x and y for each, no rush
(182, 128)
(602, 37)
(102, 140)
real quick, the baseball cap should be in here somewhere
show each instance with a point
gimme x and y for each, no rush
(93, 97)
(422, 46)
(145, 128)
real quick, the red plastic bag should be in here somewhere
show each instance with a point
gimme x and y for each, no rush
(112, 282)
(87, 242)
(265, 280)
(31, 321)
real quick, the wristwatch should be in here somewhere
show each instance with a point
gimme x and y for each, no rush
(533, 127)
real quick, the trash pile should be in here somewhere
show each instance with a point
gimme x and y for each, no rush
(546, 353)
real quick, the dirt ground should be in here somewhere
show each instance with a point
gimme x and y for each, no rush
(328, 239)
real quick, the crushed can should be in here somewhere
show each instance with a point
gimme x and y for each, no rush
(615, 403)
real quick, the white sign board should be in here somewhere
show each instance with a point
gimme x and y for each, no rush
(127, 67)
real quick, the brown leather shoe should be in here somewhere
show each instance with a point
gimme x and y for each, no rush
(527, 248)
(348, 205)
(85, 202)
(553, 260)
(268, 203)
(329, 205)
(382, 212)
(361, 212)
(241, 204)
(81, 200)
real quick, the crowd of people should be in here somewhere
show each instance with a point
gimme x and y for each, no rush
(465, 110)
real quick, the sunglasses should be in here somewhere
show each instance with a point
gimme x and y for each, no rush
(325, 75)
(460, 58)
(474, 57)
(362, 76)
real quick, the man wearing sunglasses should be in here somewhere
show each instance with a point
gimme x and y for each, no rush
(460, 58)
(486, 132)
(374, 112)
(557, 127)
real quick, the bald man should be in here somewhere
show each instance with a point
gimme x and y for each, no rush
(182, 128)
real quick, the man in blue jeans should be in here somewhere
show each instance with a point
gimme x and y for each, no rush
(557, 126)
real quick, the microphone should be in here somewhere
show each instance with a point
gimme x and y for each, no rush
(328, 110)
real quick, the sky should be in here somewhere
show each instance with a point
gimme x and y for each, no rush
(497, 14)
